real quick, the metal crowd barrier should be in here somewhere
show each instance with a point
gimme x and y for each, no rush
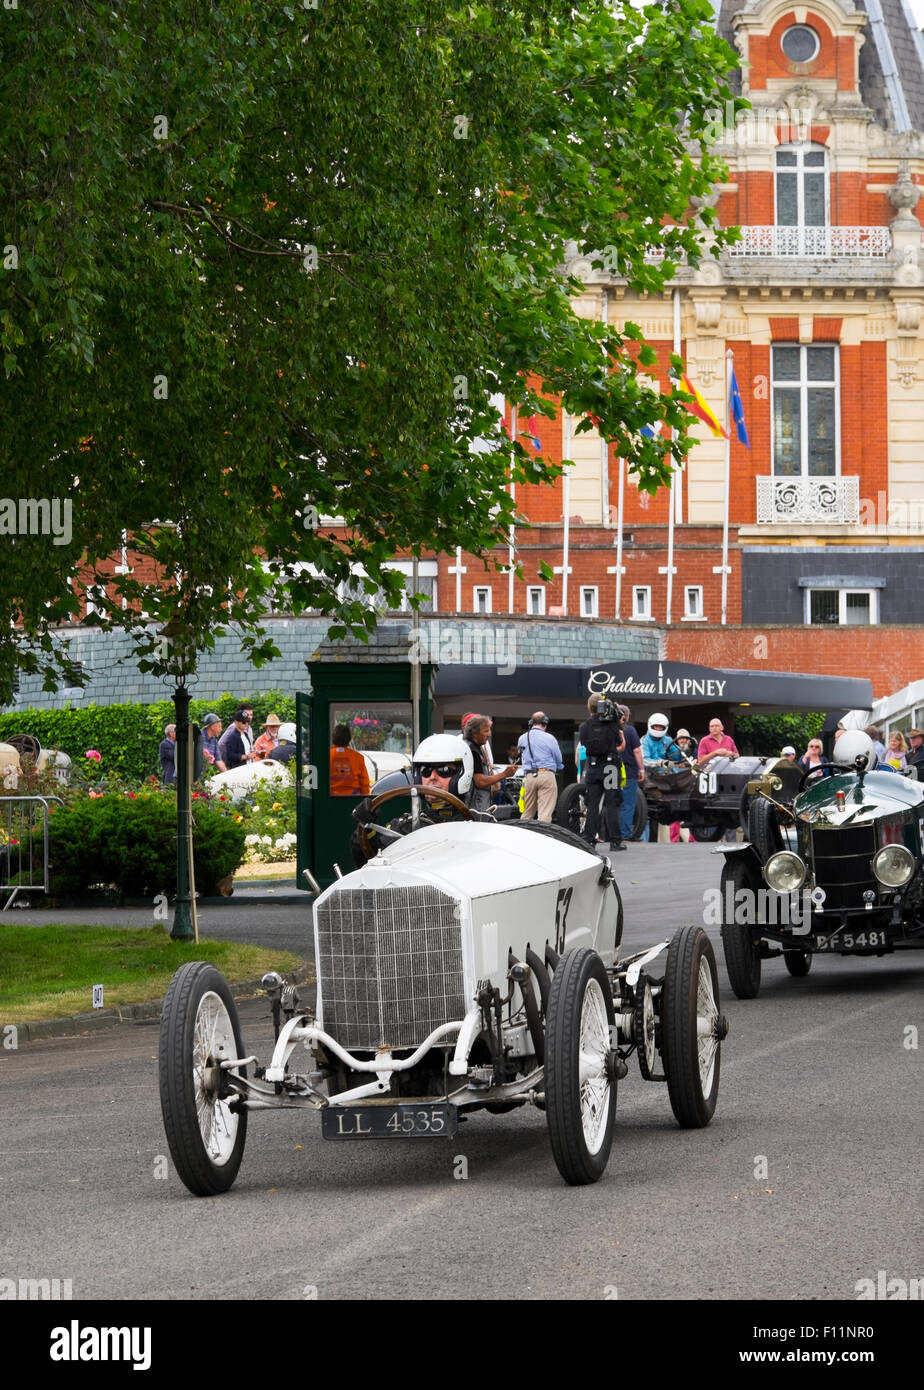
(23, 834)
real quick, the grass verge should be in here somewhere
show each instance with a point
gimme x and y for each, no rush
(49, 972)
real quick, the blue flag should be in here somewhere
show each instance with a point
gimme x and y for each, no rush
(737, 411)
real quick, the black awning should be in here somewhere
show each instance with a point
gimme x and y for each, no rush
(669, 683)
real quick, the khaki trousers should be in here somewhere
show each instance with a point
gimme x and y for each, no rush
(540, 793)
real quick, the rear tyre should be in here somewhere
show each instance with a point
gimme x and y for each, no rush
(798, 963)
(199, 1029)
(692, 1028)
(571, 809)
(554, 832)
(580, 1083)
(742, 958)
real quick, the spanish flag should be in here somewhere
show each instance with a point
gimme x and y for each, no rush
(701, 410)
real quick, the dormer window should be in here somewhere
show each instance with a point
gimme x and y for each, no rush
(800, 43)
(801, 186)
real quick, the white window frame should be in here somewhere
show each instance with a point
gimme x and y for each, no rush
(426, 569)
(540, 611)
(871, 594)
(481, 589)
(637, 615)
(593, 590)
(800, 150)
(804, 384)
(688, 615)
(802, 24)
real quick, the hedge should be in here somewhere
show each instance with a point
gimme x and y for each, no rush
(766, 735)
(128, 736)
(129, 842)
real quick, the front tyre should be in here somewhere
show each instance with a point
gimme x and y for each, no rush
(198, 1031)
(580, 1083)
(692, 1028)
(742, 955)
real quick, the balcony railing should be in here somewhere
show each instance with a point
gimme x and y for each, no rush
(813, 242)
(807, 500)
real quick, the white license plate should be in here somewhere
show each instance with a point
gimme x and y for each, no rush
(422, 1121)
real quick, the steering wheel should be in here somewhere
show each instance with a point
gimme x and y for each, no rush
(428, 792)
(826, 770)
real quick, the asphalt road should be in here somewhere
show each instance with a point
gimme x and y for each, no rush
(818, 1091)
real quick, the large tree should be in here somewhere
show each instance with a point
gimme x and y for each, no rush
(267, 263)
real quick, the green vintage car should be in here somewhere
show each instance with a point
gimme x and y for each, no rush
(836, 871)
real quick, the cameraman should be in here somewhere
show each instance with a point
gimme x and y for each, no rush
(602, 736)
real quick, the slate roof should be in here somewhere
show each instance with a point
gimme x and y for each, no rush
(899, 44)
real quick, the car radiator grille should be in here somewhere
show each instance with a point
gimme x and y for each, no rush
(389, 965)
(842, 859)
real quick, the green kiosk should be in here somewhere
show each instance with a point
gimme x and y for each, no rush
(375, 701)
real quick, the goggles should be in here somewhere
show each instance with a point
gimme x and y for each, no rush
(441, 769)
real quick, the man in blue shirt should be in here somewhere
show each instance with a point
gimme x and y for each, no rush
(540, 759)
(657, 745)
(211, 731)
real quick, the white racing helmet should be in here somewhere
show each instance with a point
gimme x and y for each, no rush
(445, 749)
(852, 745)
(658, 725)
(286, 733)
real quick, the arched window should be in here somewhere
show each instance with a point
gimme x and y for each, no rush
(802, 186)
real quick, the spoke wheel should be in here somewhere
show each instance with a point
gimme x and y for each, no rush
(692, 1027)
(645, 1026)
(571, 808)
(200, 1030)
(580, 1084)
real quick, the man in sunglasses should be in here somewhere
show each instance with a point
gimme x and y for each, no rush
(442, 761)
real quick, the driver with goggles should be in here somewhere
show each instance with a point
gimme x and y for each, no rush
(443, 762)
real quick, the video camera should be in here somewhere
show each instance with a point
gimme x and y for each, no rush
(607, 709)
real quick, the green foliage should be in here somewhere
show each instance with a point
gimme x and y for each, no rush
(272, 263)
(129, 842)
(128, 736)
(765, 735)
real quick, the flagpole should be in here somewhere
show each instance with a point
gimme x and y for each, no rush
(511, 536)
(566, 506)
(729, 359)
(622, 473)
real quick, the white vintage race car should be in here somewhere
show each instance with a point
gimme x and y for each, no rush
(468, 966)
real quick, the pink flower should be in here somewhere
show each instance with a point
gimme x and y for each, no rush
(92, 753)
(96, 793)
(131, 794)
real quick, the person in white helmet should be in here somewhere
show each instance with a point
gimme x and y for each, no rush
(657, 744)
(853, 744)
(284, 751)
(442, 761)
